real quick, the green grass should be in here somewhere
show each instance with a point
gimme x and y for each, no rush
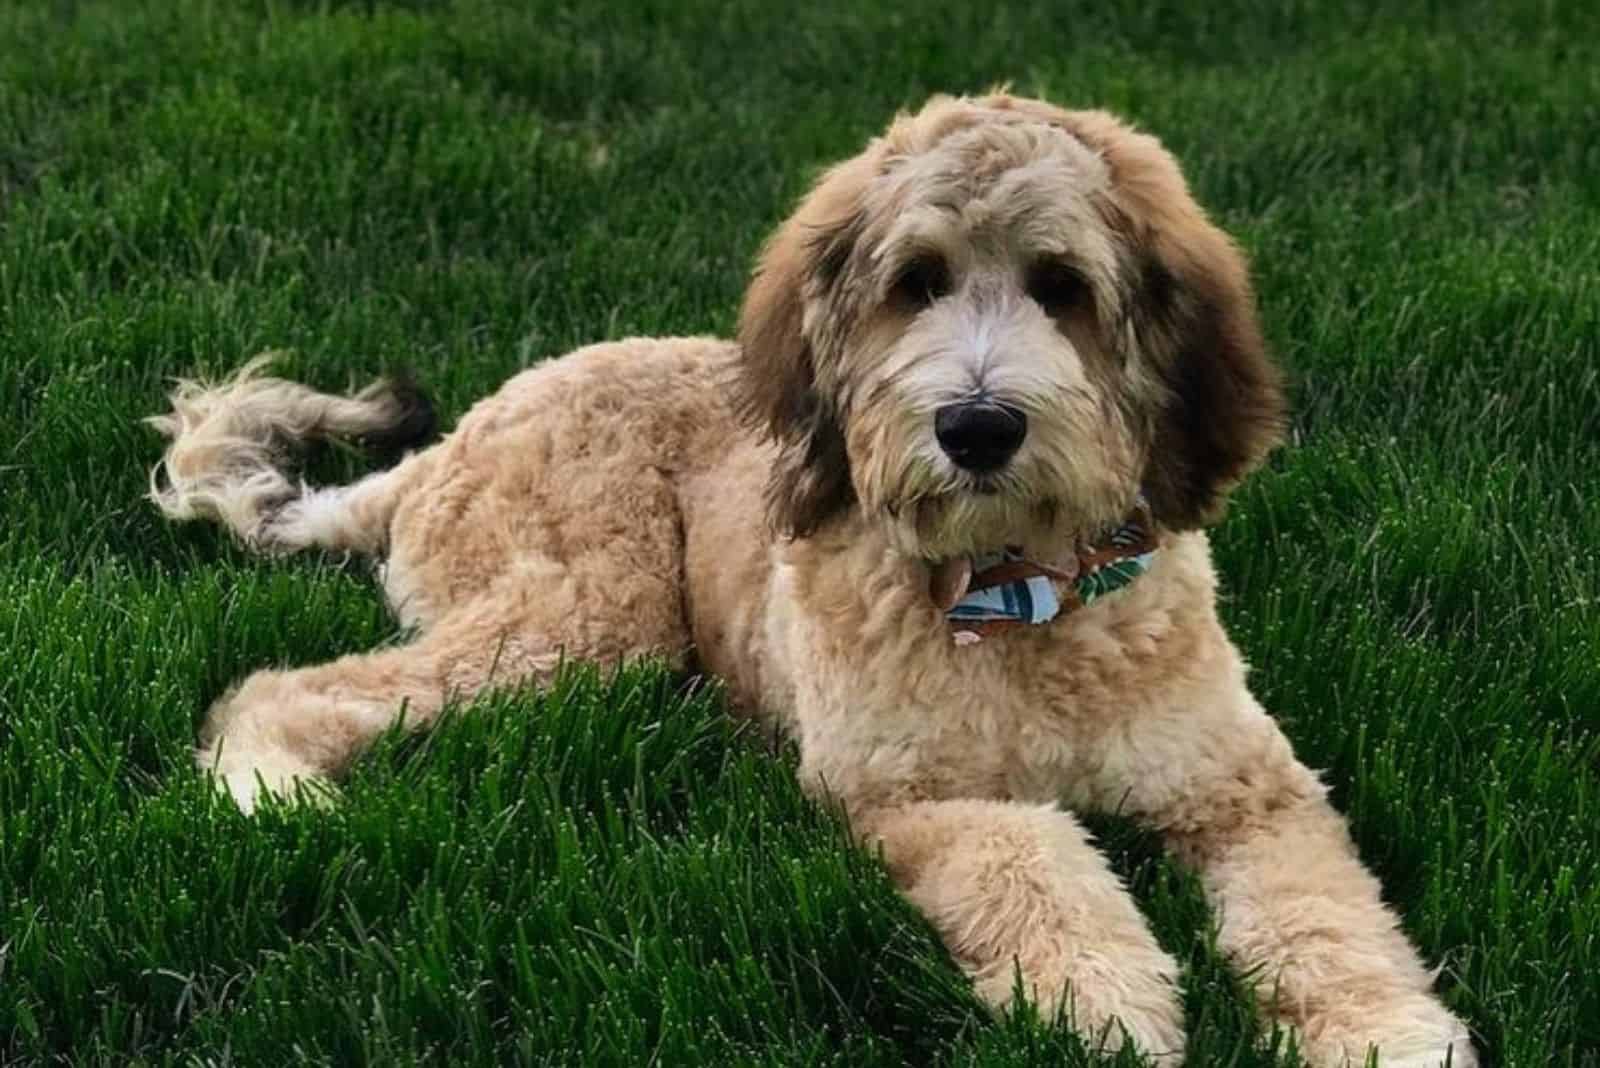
(606, 873)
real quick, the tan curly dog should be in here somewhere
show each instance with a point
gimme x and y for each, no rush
(936, 515)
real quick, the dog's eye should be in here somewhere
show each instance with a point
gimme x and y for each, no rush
(1057, 287)
(923, 281)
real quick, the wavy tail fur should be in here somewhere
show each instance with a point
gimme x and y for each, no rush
(235, 442)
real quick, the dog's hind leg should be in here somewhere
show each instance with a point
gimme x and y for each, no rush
(232, 441)
(306, 725)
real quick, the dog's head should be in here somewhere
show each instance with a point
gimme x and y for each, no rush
(996, 326)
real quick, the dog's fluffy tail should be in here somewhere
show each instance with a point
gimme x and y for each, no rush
(233, 443)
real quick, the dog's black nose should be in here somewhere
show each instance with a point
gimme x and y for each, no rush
(980, 436)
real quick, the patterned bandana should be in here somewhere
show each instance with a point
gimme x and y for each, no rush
(996, 591)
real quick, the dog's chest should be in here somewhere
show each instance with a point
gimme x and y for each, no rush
(887, 706)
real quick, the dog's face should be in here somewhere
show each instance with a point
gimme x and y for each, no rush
(996, 326)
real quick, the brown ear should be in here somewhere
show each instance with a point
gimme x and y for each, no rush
(777, 387)
(1224, 408)
(1193, 316)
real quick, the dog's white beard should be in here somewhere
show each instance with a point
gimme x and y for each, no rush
(933, 511)
(967, 524)
(1075, 475)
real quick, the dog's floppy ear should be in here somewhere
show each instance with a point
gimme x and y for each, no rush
(777, 387)
(1192, 314)
(1224, 408)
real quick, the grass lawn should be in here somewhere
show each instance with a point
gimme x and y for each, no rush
(605, 873)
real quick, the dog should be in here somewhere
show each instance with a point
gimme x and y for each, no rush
(936, 515)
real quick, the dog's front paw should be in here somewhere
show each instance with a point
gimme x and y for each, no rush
(1418, 1033)
(1108, 1010)
(1454, 1051)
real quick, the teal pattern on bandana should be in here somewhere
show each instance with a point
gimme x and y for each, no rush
(1119, 572)
(1112, 577)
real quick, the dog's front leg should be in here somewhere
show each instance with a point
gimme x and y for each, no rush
(1019, 889)
(1296, 910)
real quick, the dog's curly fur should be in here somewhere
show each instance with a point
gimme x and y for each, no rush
(769, 511)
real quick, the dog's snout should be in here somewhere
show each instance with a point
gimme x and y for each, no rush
(980, 436)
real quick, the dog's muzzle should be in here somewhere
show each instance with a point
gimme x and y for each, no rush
(980, 436)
